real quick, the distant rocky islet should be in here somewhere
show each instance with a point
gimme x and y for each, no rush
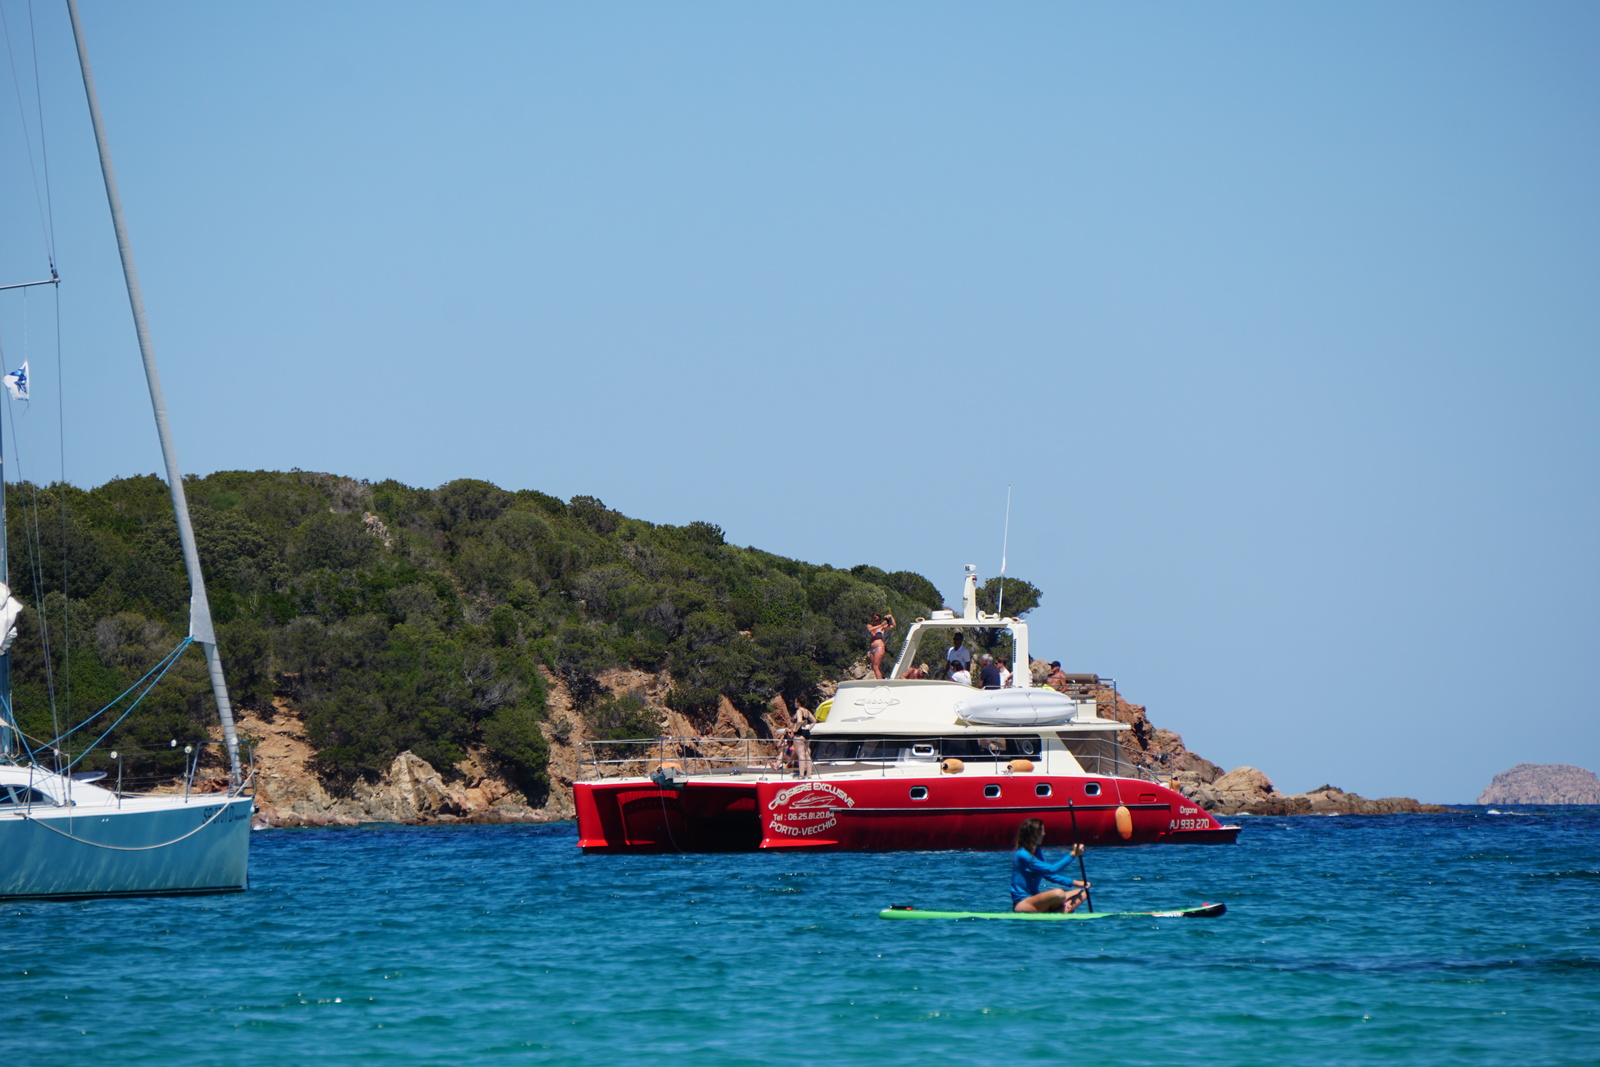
(1543, 783)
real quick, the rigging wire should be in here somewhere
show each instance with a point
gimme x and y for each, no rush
(44, 160)
(61, 502)
(27, 742)
(45, 228)
(164, 665)
(30, 526)
(61, 419)
(44, 205)
(153, 676)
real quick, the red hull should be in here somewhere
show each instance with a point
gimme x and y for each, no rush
(970, 811)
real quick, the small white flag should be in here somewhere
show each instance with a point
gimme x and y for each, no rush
(17, 382)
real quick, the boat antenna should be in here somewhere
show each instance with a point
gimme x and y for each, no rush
(200, 628)
(1005, 540)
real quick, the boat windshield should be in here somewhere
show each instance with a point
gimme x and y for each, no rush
(930, 645)
(22, 794)
(982, 748)
(856, 749)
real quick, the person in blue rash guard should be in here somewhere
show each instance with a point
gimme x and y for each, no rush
(1027, 869)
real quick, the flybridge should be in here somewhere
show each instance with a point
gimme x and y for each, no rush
(902, 705)
(947, 622)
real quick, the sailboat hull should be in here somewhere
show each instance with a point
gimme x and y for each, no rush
(156, 847)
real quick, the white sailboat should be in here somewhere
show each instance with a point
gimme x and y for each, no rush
(61, 835)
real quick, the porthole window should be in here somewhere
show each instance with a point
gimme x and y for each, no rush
(1092, 789)
(991, 791)
(1026, 745)
(1042, 789)
(919, 792)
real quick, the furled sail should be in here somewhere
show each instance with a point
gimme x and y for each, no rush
(10, 611)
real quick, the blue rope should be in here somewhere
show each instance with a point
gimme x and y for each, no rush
(172, 658)
(159, 671)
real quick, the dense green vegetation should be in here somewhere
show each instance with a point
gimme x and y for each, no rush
(399, 618)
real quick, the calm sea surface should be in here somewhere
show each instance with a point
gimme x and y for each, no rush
(1471, 938)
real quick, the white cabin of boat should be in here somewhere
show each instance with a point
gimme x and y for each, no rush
(900, 706)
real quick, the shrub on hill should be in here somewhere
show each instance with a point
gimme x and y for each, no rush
(400, 618)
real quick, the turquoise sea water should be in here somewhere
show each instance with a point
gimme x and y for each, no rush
(1471, 938)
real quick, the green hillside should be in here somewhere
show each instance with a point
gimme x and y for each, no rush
(397, 618)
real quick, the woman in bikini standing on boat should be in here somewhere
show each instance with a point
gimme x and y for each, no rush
(804, 720)
(878, 640)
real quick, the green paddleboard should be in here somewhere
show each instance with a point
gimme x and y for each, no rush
(1204, 911)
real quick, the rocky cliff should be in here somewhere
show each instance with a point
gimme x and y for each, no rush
(1543, 783)
(1243, 790)
(290, 792)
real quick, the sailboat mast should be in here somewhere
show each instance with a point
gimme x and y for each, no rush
(8, 742)
(200, 627)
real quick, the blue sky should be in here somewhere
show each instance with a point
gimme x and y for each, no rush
(1281, 319)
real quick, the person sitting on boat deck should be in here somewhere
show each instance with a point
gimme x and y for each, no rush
(1028, 868)
(919, 671)
(878, 640)
(804, 720)
(960, 674)
(1058, 677)
(958, 654)
(786, 755)
(990, 674)
(1005, 672)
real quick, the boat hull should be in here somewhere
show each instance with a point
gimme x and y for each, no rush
(898, 813)
(202, 846)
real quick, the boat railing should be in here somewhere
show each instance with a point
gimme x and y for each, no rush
(708, 756)
(702, 756)
(202, 776)
(1107, 756)
(689, 755)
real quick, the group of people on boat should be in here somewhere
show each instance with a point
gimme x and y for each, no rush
(994, 672)
(794, 744)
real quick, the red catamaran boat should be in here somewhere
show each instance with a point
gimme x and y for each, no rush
(899, 763)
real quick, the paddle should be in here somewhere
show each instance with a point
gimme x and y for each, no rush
(1082, 875)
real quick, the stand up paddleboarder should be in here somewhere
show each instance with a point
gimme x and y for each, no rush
(1027, 869)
